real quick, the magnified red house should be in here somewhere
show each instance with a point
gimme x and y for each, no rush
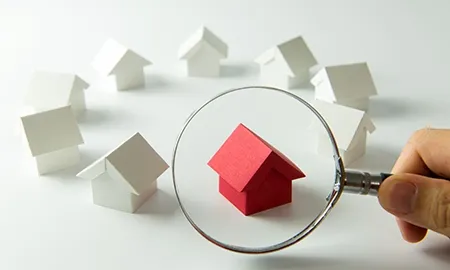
(253, 175)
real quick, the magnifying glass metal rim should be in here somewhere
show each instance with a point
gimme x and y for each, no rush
(332, 199)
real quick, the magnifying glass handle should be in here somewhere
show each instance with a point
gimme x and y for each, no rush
(363, 183)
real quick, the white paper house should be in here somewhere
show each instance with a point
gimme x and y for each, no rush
(53, 138)
(350, 85)
(124, 64)
(287, 65)
(49, 90)
(202, 53)
(126, 177)
(349, 127)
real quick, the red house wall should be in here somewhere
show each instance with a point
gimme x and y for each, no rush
(275, 191)
(238, 199)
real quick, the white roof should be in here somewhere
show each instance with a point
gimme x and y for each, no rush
(202, 37)
(349, 81)
(52, 89)
(51, 130)
(134, 162)
(295, 53)
(114, 55)
(343, 121)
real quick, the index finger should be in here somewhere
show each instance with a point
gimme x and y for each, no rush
(426, 153)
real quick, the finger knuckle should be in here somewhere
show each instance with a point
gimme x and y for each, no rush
(441, 214)
(420, 134)
(419, 138)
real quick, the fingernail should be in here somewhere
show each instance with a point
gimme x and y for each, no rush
(403, 197)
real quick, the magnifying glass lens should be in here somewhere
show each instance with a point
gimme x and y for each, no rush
(254, 168)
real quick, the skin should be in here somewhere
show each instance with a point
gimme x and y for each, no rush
(424, 163)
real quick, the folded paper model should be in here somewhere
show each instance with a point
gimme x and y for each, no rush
(125, 178)
(53, 138)
(202, 53)
(253, 175)
(349, 85)
(49, 90)
(350, 128)
(127, 67)
(287, 65)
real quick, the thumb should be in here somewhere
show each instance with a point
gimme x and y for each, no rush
(419, 200)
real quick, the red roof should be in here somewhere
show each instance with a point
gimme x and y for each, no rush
(245, 158)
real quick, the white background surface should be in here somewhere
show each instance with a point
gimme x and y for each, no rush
(50, 222)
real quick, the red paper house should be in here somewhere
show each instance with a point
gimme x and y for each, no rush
(253, 175)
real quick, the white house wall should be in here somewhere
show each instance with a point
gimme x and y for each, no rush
(358, 146)
(77, 102)
(323, 89)
(205, 63)
(272, 75)
(129, 72)
(109, 192)
(360, 136)
(138, 201)
(354, 153)
(130, 79)
(48, 90)
(301, 79)
(57, 160)
(355, 150)
(360, 104)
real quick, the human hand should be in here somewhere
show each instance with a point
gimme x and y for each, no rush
(417, 193)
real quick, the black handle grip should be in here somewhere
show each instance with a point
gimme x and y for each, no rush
(385, 175)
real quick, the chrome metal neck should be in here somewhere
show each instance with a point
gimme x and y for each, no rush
(363, 183)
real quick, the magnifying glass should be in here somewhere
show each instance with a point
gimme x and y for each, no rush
(257, 169)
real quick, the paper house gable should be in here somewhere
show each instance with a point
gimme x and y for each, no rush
(253, 175)
(53, 138)
(49, 90)
(125, 178)
(350, 128)
(127, 67)
(287, 65)
(202, 53)
(350, 85)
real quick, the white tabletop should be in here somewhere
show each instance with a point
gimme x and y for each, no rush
(50, 222)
